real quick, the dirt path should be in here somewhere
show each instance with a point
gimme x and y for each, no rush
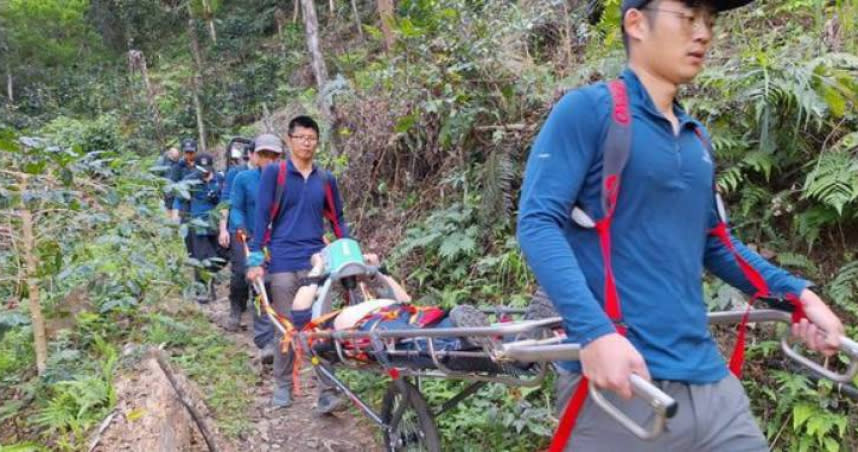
(295, 428)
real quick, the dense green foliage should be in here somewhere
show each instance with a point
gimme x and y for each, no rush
(430, 139)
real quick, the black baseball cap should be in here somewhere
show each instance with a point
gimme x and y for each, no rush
(205, 162)
(719, 5)
(189, 145)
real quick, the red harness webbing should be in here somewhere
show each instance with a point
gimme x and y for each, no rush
(616, 150)
(610, 193)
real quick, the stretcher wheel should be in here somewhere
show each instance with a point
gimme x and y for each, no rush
(414, 429)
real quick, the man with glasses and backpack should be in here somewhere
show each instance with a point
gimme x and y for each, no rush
(618, 220)
(295, 196)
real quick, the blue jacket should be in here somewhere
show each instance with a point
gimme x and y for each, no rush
(660, 240)
(164, 166)
(242, 210)
(205, 196)
(297, 234)
(180, 170)
(229, 179)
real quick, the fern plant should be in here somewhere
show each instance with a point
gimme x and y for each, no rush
(499, 172)
(834, 178)
(76, 406)
(843, 288)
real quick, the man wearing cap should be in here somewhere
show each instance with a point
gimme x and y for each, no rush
(295, 235)
(178, 173)
(660, 243)
(204, 197)
(267, 148)
(186, 165)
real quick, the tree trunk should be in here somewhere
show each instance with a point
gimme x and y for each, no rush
(10, 93)
(331, 8)
(137, 61)
(567, 39)
(385, 12)
(280, 20)
(40, 342)
(209, 15)
(212, 31)
(296, 11)
(357, 19)
(196, 82)
(311, 27)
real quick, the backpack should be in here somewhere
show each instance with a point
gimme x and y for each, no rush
(329, 211)
(615, 154)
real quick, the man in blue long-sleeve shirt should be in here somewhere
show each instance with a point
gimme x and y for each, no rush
(660, 244)
(239, 155)
(226, 237)
(267, 149)
(204, 197)
(296, 234)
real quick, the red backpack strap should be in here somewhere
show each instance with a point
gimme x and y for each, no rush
(616, 147)
(615, 154)
(274, 209)
(330, 209)
(755, 278)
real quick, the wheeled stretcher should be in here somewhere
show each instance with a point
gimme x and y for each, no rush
(524, 353)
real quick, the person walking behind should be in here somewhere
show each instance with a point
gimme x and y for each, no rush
(293, 228)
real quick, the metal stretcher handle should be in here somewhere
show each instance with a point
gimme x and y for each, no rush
(663, 406)
(847, 346)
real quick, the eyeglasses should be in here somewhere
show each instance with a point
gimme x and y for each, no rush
(695, 22)
(304, 138)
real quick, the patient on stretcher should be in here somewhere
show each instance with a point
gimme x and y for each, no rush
(389, 308)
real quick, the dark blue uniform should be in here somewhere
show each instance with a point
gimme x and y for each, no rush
(202, 225)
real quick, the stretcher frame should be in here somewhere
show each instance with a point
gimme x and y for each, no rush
(543, 352)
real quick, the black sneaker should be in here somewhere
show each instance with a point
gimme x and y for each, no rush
(467, 316)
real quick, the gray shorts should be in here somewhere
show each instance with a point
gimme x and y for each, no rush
(712, 417)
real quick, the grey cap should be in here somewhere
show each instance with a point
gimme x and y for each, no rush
(268, 142)
(719, 5)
